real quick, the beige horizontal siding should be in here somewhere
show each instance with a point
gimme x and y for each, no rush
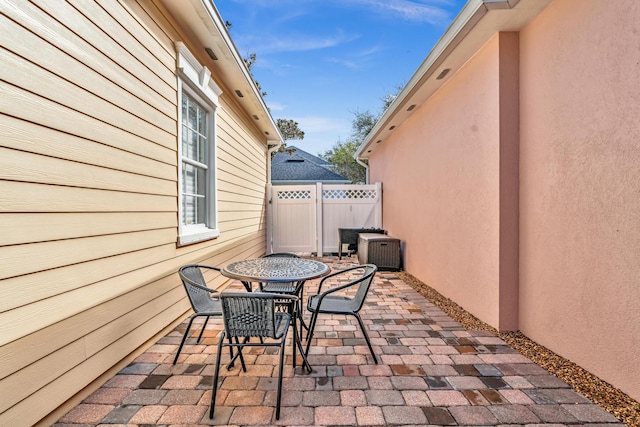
(81, 374)
(233, 217)
(61, 334)
(45, 284)
(27, 381)
(88, 193)
(41, 24)
(112, 17)
(227, 183)
(22, 166)
(149, 18)
(25, 259)
(138, 61)
(232, 197)
(240, 207)
(34, 79)
(43, 227)
(41, 53)
(230, 215)
(34, 138)
(33, 408)
(236, 157)
(48, 198)
(20, 103)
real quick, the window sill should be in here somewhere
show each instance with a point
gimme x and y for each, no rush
(200, 234)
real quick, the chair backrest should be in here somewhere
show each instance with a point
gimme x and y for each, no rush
(281, 255)
(369, 270)
(249, 314)
(193, 281)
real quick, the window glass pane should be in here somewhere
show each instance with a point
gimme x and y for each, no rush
(195, 140)
(193, 115)
(194, 130)
(202, 122)
(194, 194)
(185, 144)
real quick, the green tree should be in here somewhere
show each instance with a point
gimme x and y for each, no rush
(341, 155)
(250, 62)
(289, 129)
(362, 124)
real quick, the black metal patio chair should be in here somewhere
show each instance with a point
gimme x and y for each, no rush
(204, 301)
(328, 302)
(252, 314)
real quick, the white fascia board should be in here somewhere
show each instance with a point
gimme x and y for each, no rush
(512, 15)
(201, 20)
(214, 15)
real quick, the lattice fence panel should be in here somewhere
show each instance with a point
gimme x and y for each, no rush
(294, 195)
(349, 194)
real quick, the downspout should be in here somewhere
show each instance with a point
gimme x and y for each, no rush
(366, 168)
(273, 145)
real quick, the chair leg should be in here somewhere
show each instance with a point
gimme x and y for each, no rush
(238, 354)
(305, 362)
(279, 392)
(297, 339)
(230, 365)
(202, 330)
(215, 377)
(184, 338)
(300, 312)
(294, 314)
(312, 326)
(366, 336)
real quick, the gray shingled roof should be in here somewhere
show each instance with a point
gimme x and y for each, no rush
(301, 166)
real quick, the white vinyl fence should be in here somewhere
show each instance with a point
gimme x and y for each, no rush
(306, 218)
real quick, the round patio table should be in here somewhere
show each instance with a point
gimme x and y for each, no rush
(274, 269)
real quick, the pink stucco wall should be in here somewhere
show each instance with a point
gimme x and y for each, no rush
(580, 186)
(516, 187)
(440, 173)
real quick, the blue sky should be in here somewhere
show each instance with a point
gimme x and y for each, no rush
(321, 60)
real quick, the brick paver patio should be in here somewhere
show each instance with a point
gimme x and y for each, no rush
(432, 371)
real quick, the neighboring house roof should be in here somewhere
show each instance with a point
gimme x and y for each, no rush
(477, 22)
(300, 167)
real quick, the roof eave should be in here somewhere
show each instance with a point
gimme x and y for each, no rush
(477, 22)
(202, 22)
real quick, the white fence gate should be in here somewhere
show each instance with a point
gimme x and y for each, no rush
(306, 218)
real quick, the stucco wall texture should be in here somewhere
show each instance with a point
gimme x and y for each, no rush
(516, 188)
(580, 186)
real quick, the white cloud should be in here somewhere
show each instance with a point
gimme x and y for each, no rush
(371, 51)
(430, 11)
(346, 62)
(408, 10)
(312, 124)
(356, 60)
(295, 42)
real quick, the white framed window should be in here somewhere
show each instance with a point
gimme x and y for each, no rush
(197, 176)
